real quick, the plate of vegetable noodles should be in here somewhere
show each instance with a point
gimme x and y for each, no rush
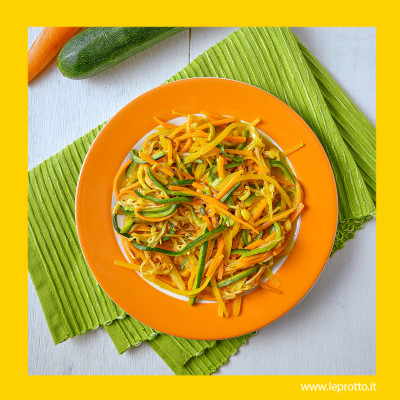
(206, 208)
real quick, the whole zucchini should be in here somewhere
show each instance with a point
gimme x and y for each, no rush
(98, 49)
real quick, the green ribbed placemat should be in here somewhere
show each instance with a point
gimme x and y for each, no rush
(269, 58)
(183, 356)
(182, 362)
(128, 332)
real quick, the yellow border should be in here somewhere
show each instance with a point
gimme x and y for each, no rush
(17, 16)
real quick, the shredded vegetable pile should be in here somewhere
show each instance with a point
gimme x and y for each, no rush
(209, 207)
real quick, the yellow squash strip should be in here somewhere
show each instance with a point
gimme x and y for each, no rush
(267, 178)
(132, 266)
(292, 149)
(211, 145)
(186, 293)
(177, 130)
(216, 123)
(217, 295)
(237, 304)
(240, 152)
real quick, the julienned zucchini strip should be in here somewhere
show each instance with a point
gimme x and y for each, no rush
(197, 242)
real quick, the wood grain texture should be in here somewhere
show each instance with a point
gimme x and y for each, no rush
(331, 331)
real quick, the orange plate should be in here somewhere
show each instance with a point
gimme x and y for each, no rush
(93, 208)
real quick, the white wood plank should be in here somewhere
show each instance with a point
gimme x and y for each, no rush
(332, 331)
(61, 110)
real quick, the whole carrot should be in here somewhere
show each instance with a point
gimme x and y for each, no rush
(46, 47)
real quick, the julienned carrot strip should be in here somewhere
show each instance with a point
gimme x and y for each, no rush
(222, 211)
(128, 251)
(297, 212)
(46, 46)
(284, 182)
(116, 179)
(127, 191)
(198, 185)
(273, 281)
(259, 242)
(187, 146)
(212, 116)
(165, 124)
(179, 173)
(254, 205)
(177, 130)
(237, 303)
(220, 166)
(147, 158)
(282, 247)
(187, 176)
(208, 199)
(235, 139)
(164, 169)
(240, 152)
(234, 179)
(248, 261)
(141, 227)
(216, 259)
(221, 270)
(129, 188)
(216, 123)
(208, 222)
(266, 222)
(260, 207)
(253, 245)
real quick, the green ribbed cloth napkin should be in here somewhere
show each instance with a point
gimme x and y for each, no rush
(269, 58)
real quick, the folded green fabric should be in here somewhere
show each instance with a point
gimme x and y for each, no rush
(184, 362)
(183, 356)
(269, 58)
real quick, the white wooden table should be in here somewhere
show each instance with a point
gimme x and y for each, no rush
(331, 331)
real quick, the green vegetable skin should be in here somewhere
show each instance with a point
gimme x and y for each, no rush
(284, 169)
(158, 212)
(237, 277)
(128, 224)
(97, 49)
(136, 159)
(200, 269)
(178, 199)
(197, 242)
